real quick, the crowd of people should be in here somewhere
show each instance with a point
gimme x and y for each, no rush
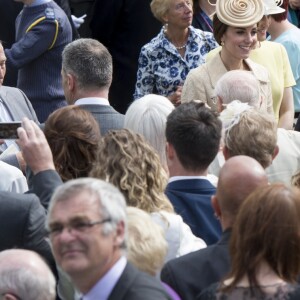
(151, 163)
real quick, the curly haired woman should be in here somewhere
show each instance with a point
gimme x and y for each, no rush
(127, 161)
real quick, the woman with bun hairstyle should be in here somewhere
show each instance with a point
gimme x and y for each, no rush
(235, 29)
(127, 161)
(274, 58)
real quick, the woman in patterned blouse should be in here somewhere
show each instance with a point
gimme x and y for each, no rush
(179, 47)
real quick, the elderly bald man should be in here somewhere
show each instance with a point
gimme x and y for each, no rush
(242, 86)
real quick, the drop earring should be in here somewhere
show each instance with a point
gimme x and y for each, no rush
(165, 28)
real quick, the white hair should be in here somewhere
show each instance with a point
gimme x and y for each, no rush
(239, 85)
(148, 116)
(26, 276)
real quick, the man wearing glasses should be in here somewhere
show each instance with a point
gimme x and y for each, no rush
(87, 225)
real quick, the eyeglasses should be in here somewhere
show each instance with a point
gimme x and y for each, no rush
(75, 227)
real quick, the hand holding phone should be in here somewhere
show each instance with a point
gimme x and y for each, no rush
(8, 131)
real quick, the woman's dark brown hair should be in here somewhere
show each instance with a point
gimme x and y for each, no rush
(282, 16)
(219, 29)
(267, 229)
(73, 135)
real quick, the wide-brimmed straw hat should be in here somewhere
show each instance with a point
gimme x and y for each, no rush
(240, 13)
(271, 8)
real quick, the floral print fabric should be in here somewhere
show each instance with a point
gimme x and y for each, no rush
(161, 67)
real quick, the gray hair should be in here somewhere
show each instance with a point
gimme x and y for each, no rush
(111, 201)
(148, 117)
(25, 281)
(90, 62)
(239, 85)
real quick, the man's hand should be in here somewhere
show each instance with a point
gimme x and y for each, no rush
(34, 146)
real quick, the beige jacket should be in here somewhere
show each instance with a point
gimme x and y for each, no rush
(200, 83)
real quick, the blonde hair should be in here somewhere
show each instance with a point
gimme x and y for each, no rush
(159, 8)
(146, 243)
(126, 160)
(254, 134)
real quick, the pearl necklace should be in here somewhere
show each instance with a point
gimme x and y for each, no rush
(165, 30)
(181, 47)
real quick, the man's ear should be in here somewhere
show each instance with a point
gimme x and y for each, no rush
(275, 153)
(119, 234)
(219, 104)
(226, 152)
(215, 205)
(71, 81)
(169, 151)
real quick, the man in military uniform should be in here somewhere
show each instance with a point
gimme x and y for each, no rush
(42, 32)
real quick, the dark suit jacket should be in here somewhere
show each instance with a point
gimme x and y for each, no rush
(191, 199)
(123, 26)
(22, 217)
(44, 184)
(106, 116)
(201, 269)
(136, 285)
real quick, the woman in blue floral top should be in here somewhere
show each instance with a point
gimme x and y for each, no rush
(165, 62)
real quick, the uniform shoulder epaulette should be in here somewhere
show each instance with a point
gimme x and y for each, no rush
(49, 13)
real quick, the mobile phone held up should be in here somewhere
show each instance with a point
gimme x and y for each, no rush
(8, 131)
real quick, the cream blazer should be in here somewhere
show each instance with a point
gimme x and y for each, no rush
(200, 83)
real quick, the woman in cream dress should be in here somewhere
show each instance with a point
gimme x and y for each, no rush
(235, 28)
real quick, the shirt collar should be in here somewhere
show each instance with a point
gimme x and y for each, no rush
(176, 178)
(165, 43)
(92, 100)
(103, 288)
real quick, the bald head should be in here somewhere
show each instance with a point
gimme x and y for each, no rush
(25, 274)
(239, 176)
(238, 85)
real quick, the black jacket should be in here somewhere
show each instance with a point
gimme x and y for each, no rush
(188, 275)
